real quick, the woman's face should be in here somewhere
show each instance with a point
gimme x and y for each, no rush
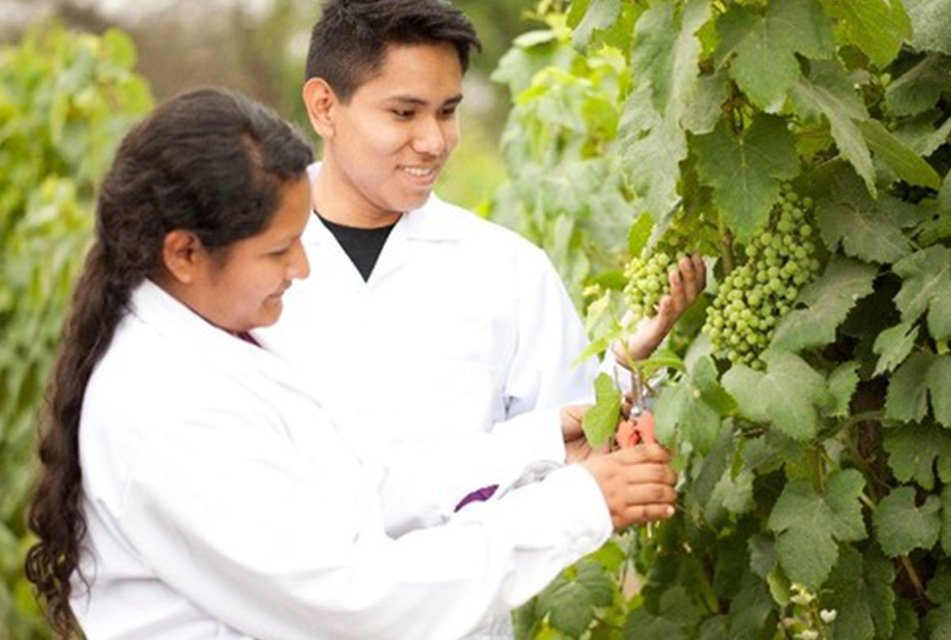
(241, 288)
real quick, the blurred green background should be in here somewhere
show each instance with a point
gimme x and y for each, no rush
(74, 74)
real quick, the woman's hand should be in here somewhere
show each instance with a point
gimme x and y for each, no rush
(637, 484)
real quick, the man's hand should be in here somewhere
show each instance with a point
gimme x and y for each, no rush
(686, 283)
(637, 484)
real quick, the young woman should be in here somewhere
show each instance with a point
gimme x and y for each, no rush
(191, 488)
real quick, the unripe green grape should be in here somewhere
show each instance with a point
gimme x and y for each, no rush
(754, 297)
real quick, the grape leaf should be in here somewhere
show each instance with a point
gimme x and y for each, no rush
(695, 405)
(676, 615)
(931, 23)
(600, 421)
(945, 530)
(808, 525)
(786, 395)
(938, 623)
(842, 384)
(571, 602)
(750, 610)
(894, 345)
(916, 451)
(745, 172)
(864, 227)
(919, 88)
(926, 287)
(907, 164)
(827, 302)
(762, 48)
(827, 90)
(939, 387)
(907, 397)
(735, 494)
(901, 526)
(705, 108)
(922, 134)
(860, 591)
(598, 14)
(654, 141)
(877, 27)
(944, 196)
(906, 621)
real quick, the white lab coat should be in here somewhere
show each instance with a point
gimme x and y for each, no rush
(462, 325)
(222, 503)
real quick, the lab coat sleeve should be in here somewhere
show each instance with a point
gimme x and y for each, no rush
(543, 372)
(423, 480)
(250, 532)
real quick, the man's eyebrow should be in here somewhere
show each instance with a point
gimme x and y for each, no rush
(419, 102)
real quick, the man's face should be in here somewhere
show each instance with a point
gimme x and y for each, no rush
(392, 139)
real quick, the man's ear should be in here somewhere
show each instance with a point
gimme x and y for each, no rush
(182, 255)
(320, 99)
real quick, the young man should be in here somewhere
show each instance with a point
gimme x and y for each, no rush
(423, 324)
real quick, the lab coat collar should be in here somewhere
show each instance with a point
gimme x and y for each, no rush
(435, 221)
(168, 316)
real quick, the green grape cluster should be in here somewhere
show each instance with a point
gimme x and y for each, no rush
(754, 297)
(648, 280)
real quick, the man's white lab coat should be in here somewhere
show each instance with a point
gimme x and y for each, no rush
(462, 325)
(222, 503)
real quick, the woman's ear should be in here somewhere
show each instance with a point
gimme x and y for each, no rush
(319, 99)
(182, 255)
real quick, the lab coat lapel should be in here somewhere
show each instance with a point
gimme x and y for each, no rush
(165, 314)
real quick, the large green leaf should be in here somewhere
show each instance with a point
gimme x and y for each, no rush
(746, 171)
(907, 398)
(877, 27)
(902, 526)
(676, 616)
(827, 90)
(695, 406)
(571, 603)
(666, 54)
(919, 88)
(598, 14)
(860, 591)
(894, 345)
(916, 452)
(927, 287)
(706, 107)
(865, 227)
(931, 23)
(601, 420)
(843, 382)
(808, 525)
(907, 164)
(827, 302)
(762, 48)
(788, 394)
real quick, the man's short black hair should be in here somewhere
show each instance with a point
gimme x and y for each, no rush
(348, 43)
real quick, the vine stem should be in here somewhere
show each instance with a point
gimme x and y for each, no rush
(726, 246)
(913, 576)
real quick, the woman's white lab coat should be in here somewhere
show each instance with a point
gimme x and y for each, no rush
(221, 503)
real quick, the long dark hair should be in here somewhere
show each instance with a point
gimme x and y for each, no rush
(208, 161)
(348, 43)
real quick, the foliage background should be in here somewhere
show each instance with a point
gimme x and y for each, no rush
(815, 495)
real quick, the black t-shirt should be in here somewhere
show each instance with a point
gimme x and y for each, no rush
(363, 246)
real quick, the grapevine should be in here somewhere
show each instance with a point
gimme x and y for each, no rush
(755, 296)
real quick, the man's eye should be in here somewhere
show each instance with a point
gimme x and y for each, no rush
(402, 113)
